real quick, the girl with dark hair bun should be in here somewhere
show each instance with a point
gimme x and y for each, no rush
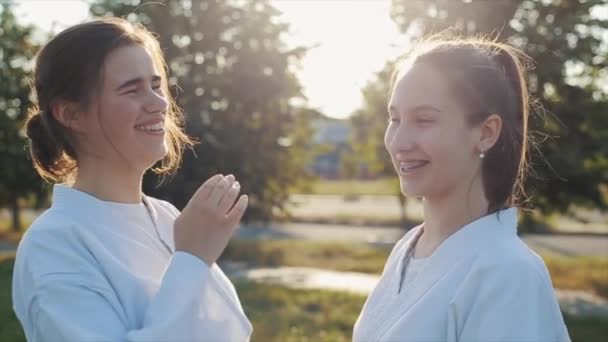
(106, 262)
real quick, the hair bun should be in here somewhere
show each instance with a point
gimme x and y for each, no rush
(34, 126)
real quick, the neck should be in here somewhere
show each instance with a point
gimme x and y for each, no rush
(445, 215)
(109, 183)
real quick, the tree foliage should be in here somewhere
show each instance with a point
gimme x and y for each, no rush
(569, 47)
(18, 180)
(234, 79)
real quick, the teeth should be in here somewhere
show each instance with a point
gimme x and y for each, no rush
(409, 165)
(156, 127)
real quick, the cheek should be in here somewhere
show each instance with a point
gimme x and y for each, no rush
(433, 140)
(119, 117)
(453, 151)
(389, 134)
(443, 144)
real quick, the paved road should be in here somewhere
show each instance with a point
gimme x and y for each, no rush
(564, 245)
(387, 208)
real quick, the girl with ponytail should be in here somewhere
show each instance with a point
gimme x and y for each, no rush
(457, 136)
(106, 262)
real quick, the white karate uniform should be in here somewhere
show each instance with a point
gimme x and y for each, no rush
(92, 270)
(481, 284)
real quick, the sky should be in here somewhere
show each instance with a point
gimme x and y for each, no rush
(351, 40)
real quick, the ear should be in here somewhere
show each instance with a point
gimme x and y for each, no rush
(490, 130)
(68, 114)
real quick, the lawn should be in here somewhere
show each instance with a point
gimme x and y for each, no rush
(573, 273)
(277, 313)
(583, 219)
(329, 255)
(7, 234)
(281, 314)
(354, 187)
(10, 329)
(579, 273)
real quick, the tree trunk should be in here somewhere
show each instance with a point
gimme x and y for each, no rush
(16, 214)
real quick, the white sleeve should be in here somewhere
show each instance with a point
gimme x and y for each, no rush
(511, 303)
(190, 305)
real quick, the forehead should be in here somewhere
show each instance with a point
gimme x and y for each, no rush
(129, 62)
(419, 85)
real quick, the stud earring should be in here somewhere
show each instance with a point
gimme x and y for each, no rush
(482, 155)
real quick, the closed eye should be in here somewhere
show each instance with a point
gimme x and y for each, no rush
(156, 88)
(131, 91)
(132, 86)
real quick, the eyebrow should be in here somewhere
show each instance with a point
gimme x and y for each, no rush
(135, 81)
(415, 109)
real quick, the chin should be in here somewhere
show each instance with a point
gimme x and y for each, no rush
(160, 152)
(412, 190)
(152, 158)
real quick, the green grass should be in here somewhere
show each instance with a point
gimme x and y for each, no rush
(579, 273)
(575, 273)
(6, 229)
(329, 255)
(277, 313)
(594, 329)
(353, 220)
(281, 314)
(8, 234)
(5, 223)
(287, 315)
(10, 329)
(382, 186)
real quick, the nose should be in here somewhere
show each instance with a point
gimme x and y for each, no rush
(400, 139)
(156, 103)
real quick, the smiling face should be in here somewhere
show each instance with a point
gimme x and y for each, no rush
(431, 144)
(100, 87)
(125, 122)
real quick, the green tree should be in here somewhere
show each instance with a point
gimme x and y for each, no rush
(369, 124)
(236, 85)
(370, 121)
(564, 38)
(18, 180)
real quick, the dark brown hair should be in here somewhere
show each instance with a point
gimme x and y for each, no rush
(488, 77)
(69, 68)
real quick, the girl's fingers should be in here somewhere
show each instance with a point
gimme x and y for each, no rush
(236, 213)
(204, 190)
(218, 192)
(230, 196)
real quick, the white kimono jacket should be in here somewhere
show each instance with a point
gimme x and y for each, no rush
(91, 270)
(481, 284)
